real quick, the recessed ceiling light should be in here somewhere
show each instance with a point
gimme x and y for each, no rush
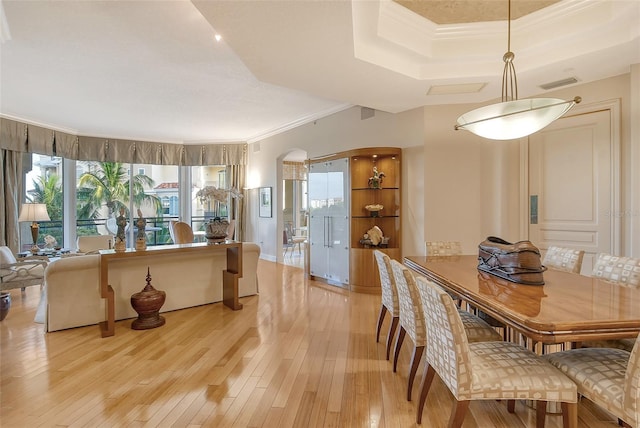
(464, 88)
(218, 37)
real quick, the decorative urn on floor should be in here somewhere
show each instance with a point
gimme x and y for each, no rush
(147, 304)
(5, 305)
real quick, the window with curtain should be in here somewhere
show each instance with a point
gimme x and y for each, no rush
(43, 185)
(158, 197)
(205, 209)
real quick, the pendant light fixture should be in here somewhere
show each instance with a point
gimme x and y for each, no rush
(513, 118)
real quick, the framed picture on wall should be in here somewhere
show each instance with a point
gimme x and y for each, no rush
(265, 202)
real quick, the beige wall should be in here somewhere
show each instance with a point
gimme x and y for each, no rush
(472, 185)
(456, 186)
(339, 132)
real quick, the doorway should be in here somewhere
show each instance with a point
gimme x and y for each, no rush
(573, 184)
(294, 215)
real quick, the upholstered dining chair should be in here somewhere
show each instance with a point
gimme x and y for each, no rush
(608, 377)
(564, 259)
(412, 322)
(181, 232)
(443, 248)
(624, 271)
(485, 370)
(389, 297)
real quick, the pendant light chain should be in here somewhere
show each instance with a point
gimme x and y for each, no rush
(509, 79)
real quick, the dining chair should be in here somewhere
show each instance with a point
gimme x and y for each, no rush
(389, 297)
(412, 322)
(621, 270)
(563, 259)
(485, 370)
(92, 244)
(608, 377)
(182, 233)
(443, 248)
(624, 271)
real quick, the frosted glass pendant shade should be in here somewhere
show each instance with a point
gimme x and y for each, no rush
(514, 119)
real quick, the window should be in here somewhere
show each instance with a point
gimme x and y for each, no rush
(203, 211)
(103, 188)
(43, 185)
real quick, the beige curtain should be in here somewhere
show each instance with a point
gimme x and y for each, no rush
(237, 179)
(66, 145)
(11, 186)
(20, 137)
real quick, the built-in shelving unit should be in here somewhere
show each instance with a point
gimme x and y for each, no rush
(363, 275)
(330, 236)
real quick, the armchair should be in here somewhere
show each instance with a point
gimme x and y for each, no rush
(20, 274)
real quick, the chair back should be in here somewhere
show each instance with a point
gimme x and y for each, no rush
(94, 243)
(387, 283)
(447, 345)
(6, 255)
(411, 314)
(182, 233)
(231, 229)
(631, 400)
(443, 248)
(564, 259)
(621, 270)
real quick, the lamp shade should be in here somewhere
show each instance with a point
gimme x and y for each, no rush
(34, 212)
(514, 119)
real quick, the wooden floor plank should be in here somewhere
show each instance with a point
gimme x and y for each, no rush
(300, 354)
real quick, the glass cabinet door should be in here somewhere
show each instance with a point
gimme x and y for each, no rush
(329, 220)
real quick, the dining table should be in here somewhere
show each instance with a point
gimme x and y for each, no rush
(569, 307)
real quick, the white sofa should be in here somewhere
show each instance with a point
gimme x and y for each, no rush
(73, 291)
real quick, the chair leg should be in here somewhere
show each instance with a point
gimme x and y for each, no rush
(415, 361)
(541, 413)
(569, 415)
(392, 332)
(425, 385)
(458, 413)
(399, 341)
(383, 312)
(511, 406)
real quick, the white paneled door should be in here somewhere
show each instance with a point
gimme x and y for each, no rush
(570, 185)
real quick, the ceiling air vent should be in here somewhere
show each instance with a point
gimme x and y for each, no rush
(558, 83)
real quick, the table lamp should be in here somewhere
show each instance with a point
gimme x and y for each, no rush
(34, 213)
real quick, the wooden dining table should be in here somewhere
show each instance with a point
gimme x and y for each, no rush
(569, 307)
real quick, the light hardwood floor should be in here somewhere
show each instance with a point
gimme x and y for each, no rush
(300, 354)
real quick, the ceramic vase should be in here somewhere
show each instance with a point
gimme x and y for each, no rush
(147, 304)
(5, 305)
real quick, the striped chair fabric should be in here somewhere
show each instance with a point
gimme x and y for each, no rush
(621, 270)
(412, 321)
(485, 370)
(564, 259)
(443, 248)
(389, 297)
(608, 377)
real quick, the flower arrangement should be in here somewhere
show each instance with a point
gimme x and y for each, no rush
(50, 241)
(375, 181)
(212, 193)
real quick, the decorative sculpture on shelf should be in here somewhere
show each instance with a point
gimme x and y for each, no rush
(374, 238)
(375, 181)
(374, 209)
(120, 241)
(141, 237)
